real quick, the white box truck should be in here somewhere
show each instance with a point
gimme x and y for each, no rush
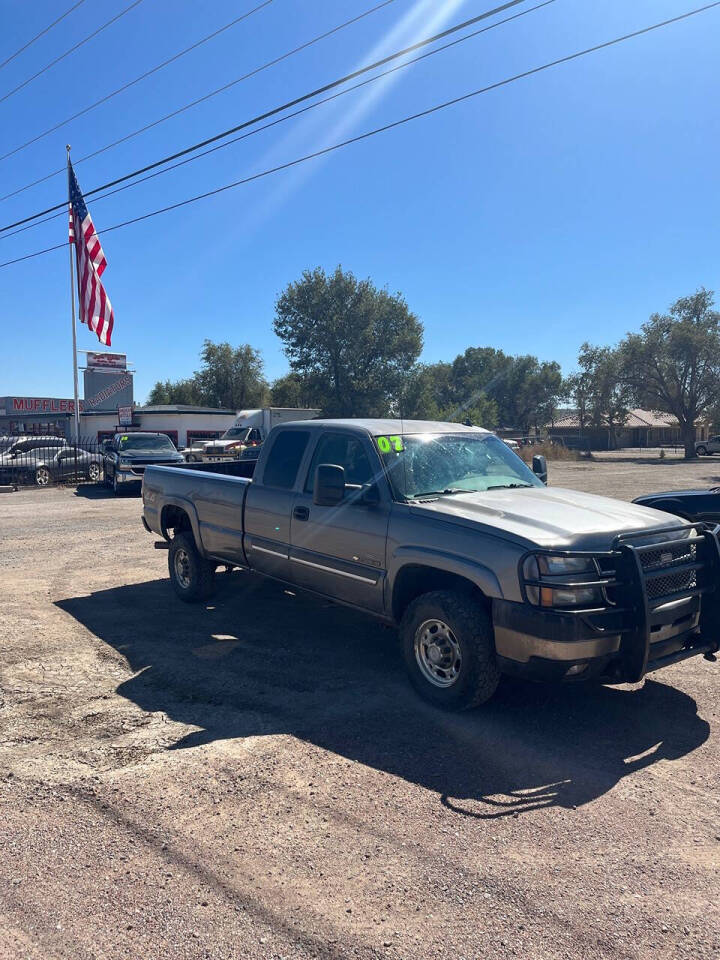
(249, 431)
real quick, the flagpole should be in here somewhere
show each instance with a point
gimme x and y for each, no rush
(72, 319)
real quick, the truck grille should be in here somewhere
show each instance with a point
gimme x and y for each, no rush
(669, 555)
(672, 583)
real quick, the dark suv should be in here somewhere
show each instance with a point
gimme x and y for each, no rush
(127, 455)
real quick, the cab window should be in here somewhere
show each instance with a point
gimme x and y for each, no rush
(343, 451)
(284, 460)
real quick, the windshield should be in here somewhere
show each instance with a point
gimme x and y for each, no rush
(236, 433)
(427, 464)
(155, 443)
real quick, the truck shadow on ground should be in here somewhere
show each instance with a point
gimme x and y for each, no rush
(257, 660)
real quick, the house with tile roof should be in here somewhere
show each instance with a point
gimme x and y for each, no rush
(642, 428)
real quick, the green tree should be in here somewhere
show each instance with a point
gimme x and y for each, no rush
(424, 394)
(353, 340)
(177, 391)
(500, 390)
(608, 394)
(230, 377)
(673, 364)
(529, 391)
(294, 390)
(577, 390)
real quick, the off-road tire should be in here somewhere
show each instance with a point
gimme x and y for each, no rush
(701, 451)
(478, 675)
(198, 581)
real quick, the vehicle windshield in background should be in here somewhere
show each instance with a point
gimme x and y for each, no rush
(236, 433)
(426, 464)
(155, 444)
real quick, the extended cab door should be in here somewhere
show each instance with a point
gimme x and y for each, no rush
(269, 502)
(340, 550)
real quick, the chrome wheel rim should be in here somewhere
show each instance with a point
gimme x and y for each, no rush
(182, 568)
(42, 477)
(94, 471)
(438, 653)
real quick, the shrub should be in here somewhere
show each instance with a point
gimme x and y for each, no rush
(551, 451)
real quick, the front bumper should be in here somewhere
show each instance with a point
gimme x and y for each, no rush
(645, 630)
(127, 476)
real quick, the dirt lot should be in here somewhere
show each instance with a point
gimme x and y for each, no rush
(255, 779)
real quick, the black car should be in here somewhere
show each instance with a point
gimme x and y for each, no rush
(694, 505)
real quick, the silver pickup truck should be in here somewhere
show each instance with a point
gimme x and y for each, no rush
(443, 530)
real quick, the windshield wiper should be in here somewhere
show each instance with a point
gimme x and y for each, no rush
(510, 486)
(439, 493)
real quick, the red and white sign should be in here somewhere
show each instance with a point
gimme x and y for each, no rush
(42, 405)
(107, 361)
(125, 416)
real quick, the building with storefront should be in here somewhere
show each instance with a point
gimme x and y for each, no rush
(54, 416)
(108, 406)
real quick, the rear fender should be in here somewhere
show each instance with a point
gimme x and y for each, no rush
(188, 508)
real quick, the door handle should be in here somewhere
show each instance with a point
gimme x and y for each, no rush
(301, 513)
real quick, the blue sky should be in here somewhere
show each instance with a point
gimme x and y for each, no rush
(564, 207)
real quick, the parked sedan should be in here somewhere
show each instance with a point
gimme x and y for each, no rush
(704, 448)
(693, 505)
(71, 463)
(19, 461)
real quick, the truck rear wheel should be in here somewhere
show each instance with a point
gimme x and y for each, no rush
(449, 650)
(192, 577)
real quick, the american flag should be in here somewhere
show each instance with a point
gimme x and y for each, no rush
(95, 308)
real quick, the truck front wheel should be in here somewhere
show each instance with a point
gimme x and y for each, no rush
(192, 577)
(449, 649)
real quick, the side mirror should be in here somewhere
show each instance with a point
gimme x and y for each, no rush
(540, 467)
(329, 485)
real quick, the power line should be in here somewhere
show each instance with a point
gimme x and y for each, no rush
(383, 129)
(42, 33)
(71, 50)
(289, 116)
(193, 103)
(275, 110)
(131, 83)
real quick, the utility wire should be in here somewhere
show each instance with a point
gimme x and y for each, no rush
(383, 129)
(71, 50)
(288, 116)
(273, 111)
(193, 103)
(131, 83)
(42, 33)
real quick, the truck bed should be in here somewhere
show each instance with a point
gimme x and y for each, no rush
(229, 468)
(211, 496)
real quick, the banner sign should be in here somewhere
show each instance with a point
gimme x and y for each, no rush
(115, 387)
(125, 416)
(107, 361)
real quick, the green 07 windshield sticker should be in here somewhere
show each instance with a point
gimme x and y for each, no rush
(386, 444)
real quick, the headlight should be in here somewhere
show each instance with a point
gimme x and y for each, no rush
(124, 462)
(554, 581)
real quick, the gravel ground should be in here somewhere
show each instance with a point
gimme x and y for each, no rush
(254, 778)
